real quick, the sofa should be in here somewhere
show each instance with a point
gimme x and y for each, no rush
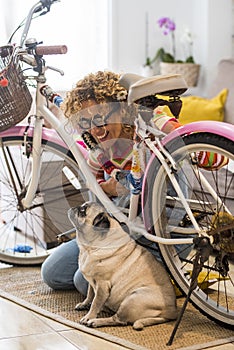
(219, 102)
(225, 80)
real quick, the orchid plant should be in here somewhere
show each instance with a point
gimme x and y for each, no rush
(168, 27)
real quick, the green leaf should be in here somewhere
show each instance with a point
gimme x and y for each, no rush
(159, 55)
(190, 60)
(167, 57)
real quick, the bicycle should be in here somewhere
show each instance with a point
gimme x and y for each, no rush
(192, 225)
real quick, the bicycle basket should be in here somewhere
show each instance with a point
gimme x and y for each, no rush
(15, 98)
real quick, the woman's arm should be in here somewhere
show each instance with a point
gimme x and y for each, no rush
(110, 186)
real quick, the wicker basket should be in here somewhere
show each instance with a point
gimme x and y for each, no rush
(15, 98)
(190, 71)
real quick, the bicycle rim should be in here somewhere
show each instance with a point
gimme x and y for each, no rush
(214, 295)
(29, 236)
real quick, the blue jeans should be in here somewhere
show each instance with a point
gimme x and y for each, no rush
(61, 271)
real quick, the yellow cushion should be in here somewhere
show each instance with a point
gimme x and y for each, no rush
(196, 108)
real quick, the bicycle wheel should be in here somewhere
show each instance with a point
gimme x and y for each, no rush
(214, 295)
(27, 236)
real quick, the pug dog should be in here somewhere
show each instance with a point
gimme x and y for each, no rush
(122, 275)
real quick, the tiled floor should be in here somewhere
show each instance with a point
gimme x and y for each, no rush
(21, 329)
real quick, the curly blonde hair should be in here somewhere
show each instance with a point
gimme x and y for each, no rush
(101, 87)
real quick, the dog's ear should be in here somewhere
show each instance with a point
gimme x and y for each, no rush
(101, 221)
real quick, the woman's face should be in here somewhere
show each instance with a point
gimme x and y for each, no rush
(105, 131)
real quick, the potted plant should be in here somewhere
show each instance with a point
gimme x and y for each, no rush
(168, 62)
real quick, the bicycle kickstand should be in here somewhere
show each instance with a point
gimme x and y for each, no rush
(203, 250)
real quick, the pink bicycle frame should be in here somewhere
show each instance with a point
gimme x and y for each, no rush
(47, 134)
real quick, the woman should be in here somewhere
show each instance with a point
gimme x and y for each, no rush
(98, 108)
(97, 104)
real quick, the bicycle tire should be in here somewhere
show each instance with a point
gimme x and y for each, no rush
(214, 295)
(28, 236)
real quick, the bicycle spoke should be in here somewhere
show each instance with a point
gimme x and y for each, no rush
(28, 235)
(212, 206)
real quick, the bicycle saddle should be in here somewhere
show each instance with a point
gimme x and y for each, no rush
(143, 91)
(139, 86)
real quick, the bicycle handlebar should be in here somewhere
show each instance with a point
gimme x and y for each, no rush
(51, 50)
(46, 4)
(31, 48)
(42, 6)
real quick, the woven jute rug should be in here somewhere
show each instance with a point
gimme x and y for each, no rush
(23, 285)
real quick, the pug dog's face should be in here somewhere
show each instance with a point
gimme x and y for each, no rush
(95, 226)
(91, 214)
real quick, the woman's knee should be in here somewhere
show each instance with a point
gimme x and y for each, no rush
(53, 279)
(59, 268)
(80, 283)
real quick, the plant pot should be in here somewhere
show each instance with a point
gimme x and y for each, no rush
(190, 71)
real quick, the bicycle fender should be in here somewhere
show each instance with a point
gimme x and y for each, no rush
(49, 135)
(217, 128)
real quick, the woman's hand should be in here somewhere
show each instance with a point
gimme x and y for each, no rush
(113, 188)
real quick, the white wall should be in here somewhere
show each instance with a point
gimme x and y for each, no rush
(209, 20)
(80, 24)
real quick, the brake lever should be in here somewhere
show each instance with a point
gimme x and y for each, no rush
(61, 72)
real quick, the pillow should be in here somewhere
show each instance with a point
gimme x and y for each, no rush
(196, 108)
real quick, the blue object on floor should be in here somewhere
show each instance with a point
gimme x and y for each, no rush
(21, 248)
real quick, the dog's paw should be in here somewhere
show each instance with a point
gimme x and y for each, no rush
(89, 322)
(93, 323)
(86, 321)
(82, 306)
